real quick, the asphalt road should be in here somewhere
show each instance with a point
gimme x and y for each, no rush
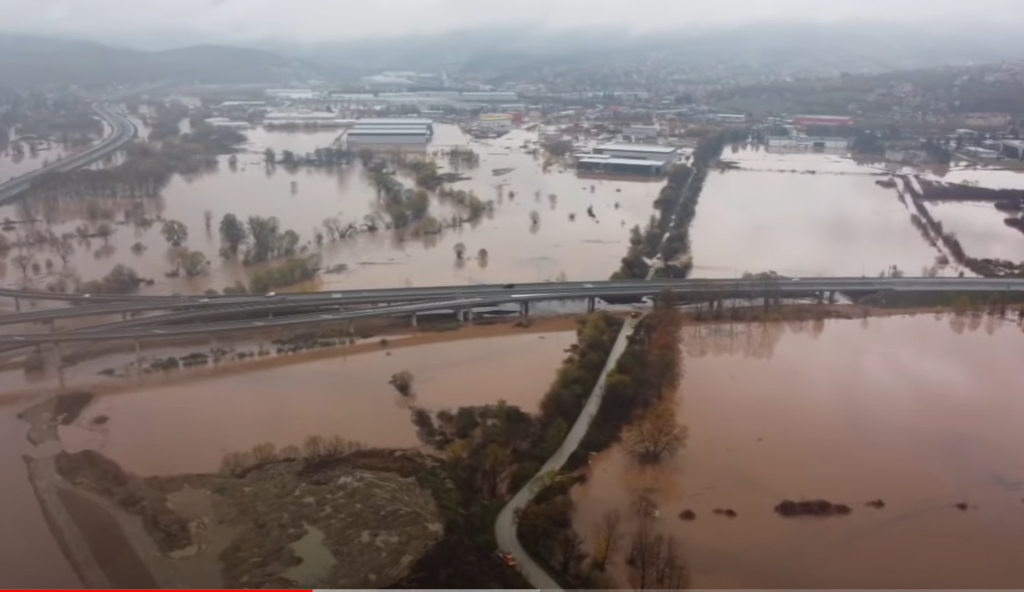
(505, 527)
(99, 305)
(122, 132)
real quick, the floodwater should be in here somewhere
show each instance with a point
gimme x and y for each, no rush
(984, 177)
(980, 229)
(916, 411)
(557, 247)
(836, 222)
(189, 427)
(29, 556)
(12, 166)
(348, 396)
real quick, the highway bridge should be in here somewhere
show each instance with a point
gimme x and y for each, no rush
(122, 132)
(199, 315)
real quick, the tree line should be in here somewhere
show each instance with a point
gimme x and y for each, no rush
(636, 412)
(667, 234)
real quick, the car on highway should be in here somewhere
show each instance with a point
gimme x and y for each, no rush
(588, 285)
(509, 286)
(794, 279)
(507, 558)
(270, 294)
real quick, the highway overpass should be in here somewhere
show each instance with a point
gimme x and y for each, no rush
(195, 316)
(122, 132)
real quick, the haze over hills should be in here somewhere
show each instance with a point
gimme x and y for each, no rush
(27, 61)
(768, 50)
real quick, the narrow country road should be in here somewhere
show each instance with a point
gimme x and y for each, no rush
(505, 527)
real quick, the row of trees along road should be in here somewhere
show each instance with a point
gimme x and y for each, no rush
(677, 207)
(638, 413)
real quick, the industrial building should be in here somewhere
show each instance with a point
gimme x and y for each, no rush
(1012, 149)
(601, 164)
(640, 133)
(305, 119)
(662, 154)
(731, 118)
(224, 122)
(802, 121)
(396, 136)
(396, 122)
(809, 143)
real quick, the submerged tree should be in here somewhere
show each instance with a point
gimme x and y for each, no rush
(176, 233)
(654, 436)
(460, 251)
(402, 381)
(233, 233)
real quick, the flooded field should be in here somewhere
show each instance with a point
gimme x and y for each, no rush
(349, 396)
(915, 411)
(772, 215)
(980, 229)
(580, 248)
(14, 165)
(188, 428)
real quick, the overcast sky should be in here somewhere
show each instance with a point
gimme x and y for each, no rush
(330, 20)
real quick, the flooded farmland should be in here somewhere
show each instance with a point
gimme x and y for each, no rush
(347, 396)
(912, 411)
(567, 242)
(802, 215)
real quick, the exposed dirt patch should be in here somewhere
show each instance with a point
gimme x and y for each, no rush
(94, 472)
(790, 509)
(355, 521)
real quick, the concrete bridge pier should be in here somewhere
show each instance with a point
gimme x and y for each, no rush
(524, 309)
(832, 297)
(414, 320)
(17, 304)
(591, 304)
(60, 364)
(138, 358)
(351, 327)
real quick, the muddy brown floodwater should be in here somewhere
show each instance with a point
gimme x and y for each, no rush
(922, 413)
(775, 215)
(579, 249)
(188, 428)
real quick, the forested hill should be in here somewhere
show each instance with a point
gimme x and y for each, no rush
(34, 62)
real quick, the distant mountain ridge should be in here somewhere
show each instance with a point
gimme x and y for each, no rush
(37, 62)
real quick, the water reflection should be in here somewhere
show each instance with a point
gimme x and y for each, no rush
(349, 396)
(563, 241)
(840, 224)
(900, 409)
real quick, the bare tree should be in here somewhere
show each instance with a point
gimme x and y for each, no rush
(654, 560)
(63, 247)
(460, 251)
(104, 230)
(570, 553)
(607, 538)
(654, 436)
(641, 558)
